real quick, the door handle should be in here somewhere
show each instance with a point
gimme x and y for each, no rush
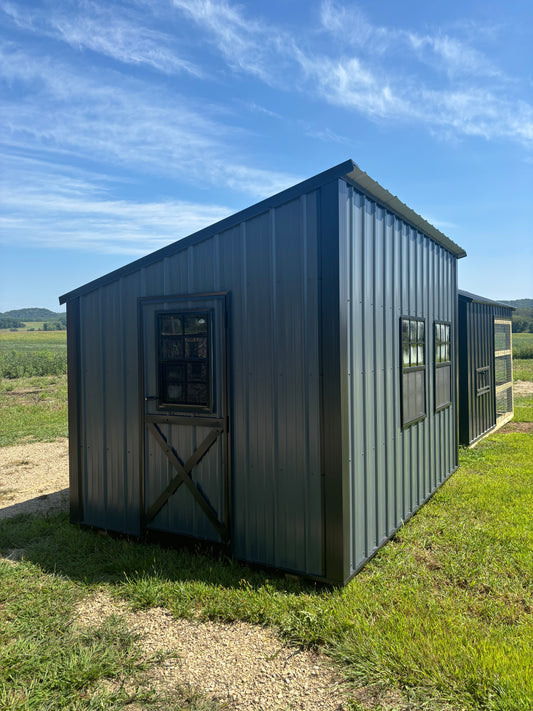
(151, 397)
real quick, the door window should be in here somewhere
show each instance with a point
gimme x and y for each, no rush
(184, 359)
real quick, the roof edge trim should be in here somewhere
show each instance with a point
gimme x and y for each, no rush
(468, 296)
(226, 223)
(347, 170)
(363, 181)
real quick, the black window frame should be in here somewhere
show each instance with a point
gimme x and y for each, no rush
(412, 368)
(438, 342)
(187, 362)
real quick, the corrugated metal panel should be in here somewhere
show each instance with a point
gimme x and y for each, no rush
(477, 404)
(392, 271)
(269, 264)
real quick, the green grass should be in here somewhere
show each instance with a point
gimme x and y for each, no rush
(30, 326)
(523, 409)
(523, 369)
(49, 661)
(523, 346)
(443, 613)
(37, 341)
(33, 409)
(522, 339)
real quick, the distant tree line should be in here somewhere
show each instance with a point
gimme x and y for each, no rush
(523, 321)
(14, 324)
(6, 322)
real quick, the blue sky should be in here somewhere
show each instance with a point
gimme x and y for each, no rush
(127, 125)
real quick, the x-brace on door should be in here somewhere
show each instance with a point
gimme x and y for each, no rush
(183, 341)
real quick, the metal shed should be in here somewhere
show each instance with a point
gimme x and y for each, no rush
(485, 366)
(282, 382)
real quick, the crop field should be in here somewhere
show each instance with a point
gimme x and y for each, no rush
(32, 353)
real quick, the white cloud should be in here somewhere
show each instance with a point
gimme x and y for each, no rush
(44, 207)
(248, 45)
(126, 124)
(111, 30)
(378, 71)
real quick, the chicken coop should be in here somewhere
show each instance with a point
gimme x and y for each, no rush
(485, 366)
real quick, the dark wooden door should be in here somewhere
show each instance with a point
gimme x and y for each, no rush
(185, 416)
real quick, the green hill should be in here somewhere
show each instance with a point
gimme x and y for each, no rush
(522, 315)
(519, 303)
(34, 314)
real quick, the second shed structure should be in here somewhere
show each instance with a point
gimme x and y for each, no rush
(282, 382)
(485, 366)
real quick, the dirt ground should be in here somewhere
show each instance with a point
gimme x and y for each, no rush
(522, 387)
(33, 478)
(241, 666)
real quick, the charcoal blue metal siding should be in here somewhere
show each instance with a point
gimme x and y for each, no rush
(477, 405)
(390, 270)
(269, 265)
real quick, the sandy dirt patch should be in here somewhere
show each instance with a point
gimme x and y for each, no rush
(34, 478)
(522, 387)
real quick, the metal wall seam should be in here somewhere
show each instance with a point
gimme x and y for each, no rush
(392, 268)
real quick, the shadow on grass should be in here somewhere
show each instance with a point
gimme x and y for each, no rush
(95, 557)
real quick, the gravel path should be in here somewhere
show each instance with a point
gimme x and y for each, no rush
(34, 478)
(241, 666)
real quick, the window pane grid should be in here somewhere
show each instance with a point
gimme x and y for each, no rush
(443, 349)
(413, 357)
(413, 343)
(442, 365)
(184, 372)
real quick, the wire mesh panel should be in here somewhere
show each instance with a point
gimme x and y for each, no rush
(502, 335)
(503, 369)
(504, 402)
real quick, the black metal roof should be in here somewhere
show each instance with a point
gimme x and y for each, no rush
(348, 171)
(468, 296)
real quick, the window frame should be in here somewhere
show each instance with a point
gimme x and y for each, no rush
(162, 362)
(483, 385)
(442, 363)
(411, 369)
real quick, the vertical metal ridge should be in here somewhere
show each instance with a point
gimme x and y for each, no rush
(397, 271)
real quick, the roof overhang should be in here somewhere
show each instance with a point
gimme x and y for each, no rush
(468, 296)
(347, 170)
(364, 182)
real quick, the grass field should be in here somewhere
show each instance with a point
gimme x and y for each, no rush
(442, 617)
(523, 346)
(30, 326)
(522, 339)
(33, 409)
